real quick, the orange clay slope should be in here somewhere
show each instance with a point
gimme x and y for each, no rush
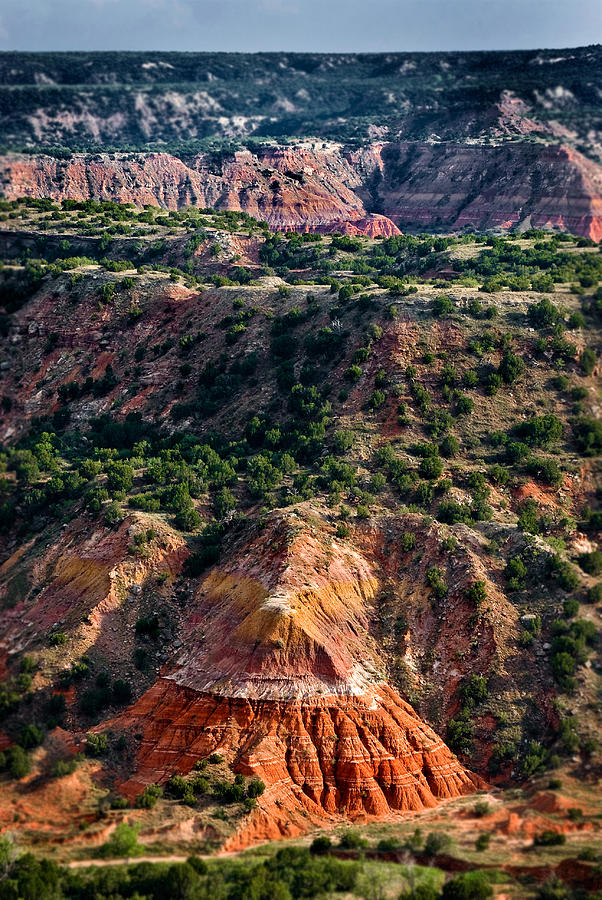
(280, 674)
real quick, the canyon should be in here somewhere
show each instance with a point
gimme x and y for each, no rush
(300, 452)
(374, 191)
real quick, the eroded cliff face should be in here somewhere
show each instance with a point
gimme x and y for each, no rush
(321, 757)
(86, 583)
(372, 191)
(290, 189)
(455, 185)
(279, 672)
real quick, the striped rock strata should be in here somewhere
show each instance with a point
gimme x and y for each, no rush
(280, 674)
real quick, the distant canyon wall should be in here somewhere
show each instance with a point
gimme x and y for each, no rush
(375, 190)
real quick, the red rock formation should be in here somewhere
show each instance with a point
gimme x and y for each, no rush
(417, 185)
(456, 185)
(290, 189)
(372, 226)
(352, 756)
(280, 674)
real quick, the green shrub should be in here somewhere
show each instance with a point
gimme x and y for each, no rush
(255, 788)
(353, 373)
(123, 842)
(442, 306)
(434, 579)
(468, 886)
(96, 744)
(477, 592)
(120, 476)
(343, 441)
(481, 808)
(64, 767)
(535, 759)
(594, 595)
(528, 517)
(113, 514)
(511, 367)
(57, 639)
(30, 736)
(482, 842)
(588, 435)
(562, 572)
(377, 400)
(407, 542)
(437, 842)
(149, 796)
(570, 607)
(431, 468)
(320, 846)
(351, 839)
(588, 360)
(473, 690)
(18, 762)
(516, 573)
(423, 891)
(549, 839)
(449, 446)
(459, 734)
(591, 562)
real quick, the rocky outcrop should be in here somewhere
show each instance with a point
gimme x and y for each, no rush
(455, 186)
(372, 225)
(290, 189)
(280, 674)
(329, 756)
(416, 185)
(87, 584)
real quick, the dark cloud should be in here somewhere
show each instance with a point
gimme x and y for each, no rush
(320, 25)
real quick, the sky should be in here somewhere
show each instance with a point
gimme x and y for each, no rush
(304, 25)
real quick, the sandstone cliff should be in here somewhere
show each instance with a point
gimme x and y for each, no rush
(447, 186)
(279, 672)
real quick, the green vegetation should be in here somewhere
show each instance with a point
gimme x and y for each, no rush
(330, 393)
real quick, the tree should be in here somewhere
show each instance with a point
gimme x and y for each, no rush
(255, 788)
(437, 842)
(181, 882)
(30, 736)
(442, 306)
(542, 431)
(343, 441)
(468, 886)
(528, 516)
(474, 690)
(123, 842)
(449, 446)
(19, 764)
(224, 502)
(588, 360)
(113, 514)
(431, 468)
(148, 798)
(477, 592)
(120, 476)
(511, 367)
(591, 562)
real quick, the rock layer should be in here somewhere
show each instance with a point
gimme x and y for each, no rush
(415, 185)
(279, 673)
(349, 755)
(455, 185)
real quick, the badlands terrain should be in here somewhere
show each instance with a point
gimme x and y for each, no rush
(300, 476)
